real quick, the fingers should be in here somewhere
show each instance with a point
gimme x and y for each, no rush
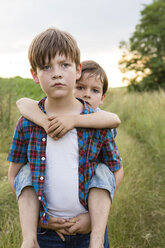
(59, 126)
(74, 229)
(54, 124)
(57, 226)
(74, 219)
(56, 220)
(64, 231)
(56, 133)
(52, 117)
(61, 236)
(57, 129)
(82, 225)
(62, 133)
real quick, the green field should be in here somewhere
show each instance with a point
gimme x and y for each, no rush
(137, 216)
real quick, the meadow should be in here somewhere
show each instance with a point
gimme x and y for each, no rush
(137, 216)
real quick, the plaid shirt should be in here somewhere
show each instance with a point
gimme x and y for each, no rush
(113, 130)
(95, 145)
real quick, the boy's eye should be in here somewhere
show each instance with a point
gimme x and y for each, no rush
(95, 91)
(46, 67)
(65, 65)
(79, 87)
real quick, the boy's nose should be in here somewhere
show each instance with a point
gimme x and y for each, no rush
(87, 94)
(56, 72)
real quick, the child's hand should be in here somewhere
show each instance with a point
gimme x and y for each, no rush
(60, 225)
(60, 125)
(82, 224)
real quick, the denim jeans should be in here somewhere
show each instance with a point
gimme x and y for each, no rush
(49, 239)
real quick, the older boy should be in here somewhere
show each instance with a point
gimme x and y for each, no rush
(56, 71)
(91, 87)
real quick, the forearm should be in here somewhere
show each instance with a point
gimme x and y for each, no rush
(98, 202)
(29, 213)
(118, 178)
(100, 119)
(11, 184)
(31, 111)
(12, 172)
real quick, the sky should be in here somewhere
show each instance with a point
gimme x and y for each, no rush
(97, 25)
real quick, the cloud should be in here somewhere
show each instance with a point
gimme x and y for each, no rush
(97, 25)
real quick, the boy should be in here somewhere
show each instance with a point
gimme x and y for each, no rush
(56, 72)
(91, 87)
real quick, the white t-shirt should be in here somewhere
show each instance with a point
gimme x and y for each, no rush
(62, 178)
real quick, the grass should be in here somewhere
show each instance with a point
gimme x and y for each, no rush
(142, 116)
(10, 91)
(137, 217)
(10, 234)
(20, 87)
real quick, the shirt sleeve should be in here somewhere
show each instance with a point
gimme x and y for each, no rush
(18, 149)
(109, 152)
(114, 130)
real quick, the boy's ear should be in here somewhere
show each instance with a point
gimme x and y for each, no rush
(78, 72)
(34, 75)
(102, 99)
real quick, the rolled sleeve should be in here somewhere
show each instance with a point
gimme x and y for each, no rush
(18, 149)
(110, 154)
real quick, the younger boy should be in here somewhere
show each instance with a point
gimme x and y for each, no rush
(56, 72)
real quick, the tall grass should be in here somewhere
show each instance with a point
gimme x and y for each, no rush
(21, 87)
(138, 214)
(142, 115)
(10, 91)
(10, 233)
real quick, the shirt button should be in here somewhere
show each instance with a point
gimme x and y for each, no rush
(41, 178)
(39, 198)
(43, 139)
(43, 158)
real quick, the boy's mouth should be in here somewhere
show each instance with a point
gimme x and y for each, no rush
(57, 85)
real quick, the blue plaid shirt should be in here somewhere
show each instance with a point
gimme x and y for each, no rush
(95, 145)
